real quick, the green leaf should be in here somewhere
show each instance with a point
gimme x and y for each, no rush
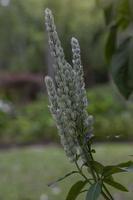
(94, 191)
(62, 178)
(118, 17)
(121, 69)
(125, 164)
(123, 13)
(75, 190)
(110, 178)
(116, 185)
(128, 167)
(108, 12)
(114, 169)
(109, 170)
(110, 46)
(97, 166)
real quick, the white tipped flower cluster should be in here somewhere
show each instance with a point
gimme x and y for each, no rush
(68, 101)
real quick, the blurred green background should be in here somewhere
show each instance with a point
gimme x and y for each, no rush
(24, 115)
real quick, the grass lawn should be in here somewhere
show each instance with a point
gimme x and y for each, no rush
(24, 173)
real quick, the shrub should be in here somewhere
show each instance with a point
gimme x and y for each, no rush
(33, 123)
(112, 116)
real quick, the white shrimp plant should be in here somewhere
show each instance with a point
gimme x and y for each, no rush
(68, 105)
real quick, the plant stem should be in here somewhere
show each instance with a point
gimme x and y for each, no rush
(105, 188)
(93, 171)
(82, 174)
(106, 194)
(88, 180)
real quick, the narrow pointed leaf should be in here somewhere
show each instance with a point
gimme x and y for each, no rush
(116, 185)
(109, 170)
(62, 178)
(75, 190)
(127, 166)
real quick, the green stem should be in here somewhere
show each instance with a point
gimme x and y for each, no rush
(105, 188)
(89, 166)
(88, 180)
(82, 174)
(94, 173)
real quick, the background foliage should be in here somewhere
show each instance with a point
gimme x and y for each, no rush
(119, 45)
(33, 123)
(25, 48)
(24, 120)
